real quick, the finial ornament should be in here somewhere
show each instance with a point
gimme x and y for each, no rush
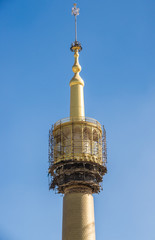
(75, 45)
(75, 10)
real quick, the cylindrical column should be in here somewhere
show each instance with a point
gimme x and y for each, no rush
(77, 101)
(78, 217)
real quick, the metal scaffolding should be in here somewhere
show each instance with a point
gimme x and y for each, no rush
(77, 154)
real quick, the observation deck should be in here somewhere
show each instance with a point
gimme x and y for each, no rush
(77, 154)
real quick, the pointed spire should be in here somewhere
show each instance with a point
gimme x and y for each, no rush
(76, 48)
(75, 45)
(76, 83)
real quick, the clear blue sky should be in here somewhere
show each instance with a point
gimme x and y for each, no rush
(118, 61)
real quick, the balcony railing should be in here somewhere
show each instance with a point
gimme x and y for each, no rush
(74, 119)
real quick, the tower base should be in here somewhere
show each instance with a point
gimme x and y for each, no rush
(78, 216)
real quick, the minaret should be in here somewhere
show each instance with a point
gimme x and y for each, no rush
(77, 158)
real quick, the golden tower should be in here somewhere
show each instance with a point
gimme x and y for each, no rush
(77, 158)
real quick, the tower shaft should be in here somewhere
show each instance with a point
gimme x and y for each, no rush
(78, 217)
